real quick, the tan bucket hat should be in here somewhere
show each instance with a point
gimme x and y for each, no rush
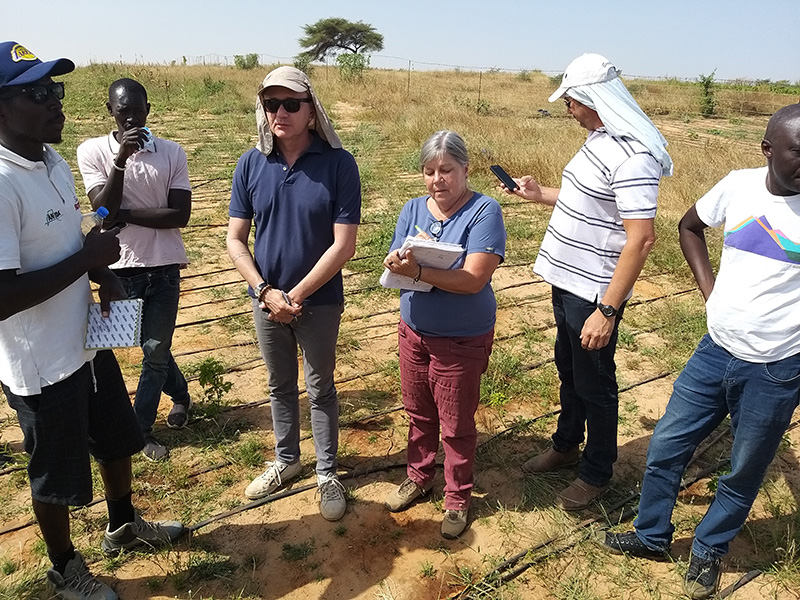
(297, 81)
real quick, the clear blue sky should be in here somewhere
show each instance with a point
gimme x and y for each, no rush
(679, 38)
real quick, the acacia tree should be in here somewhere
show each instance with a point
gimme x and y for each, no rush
(328, 36)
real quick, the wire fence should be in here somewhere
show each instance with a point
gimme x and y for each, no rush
(656, 95)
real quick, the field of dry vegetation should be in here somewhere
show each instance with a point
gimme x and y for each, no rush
(519, 545)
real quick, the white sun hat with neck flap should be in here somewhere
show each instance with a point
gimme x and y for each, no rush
(595, 82)
(585, 70)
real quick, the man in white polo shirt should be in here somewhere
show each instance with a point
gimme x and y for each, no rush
(596, 243)
(70, 402)
(143, 181)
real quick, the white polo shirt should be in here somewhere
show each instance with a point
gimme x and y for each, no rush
(610, 179)
(39, 227)
(149, 176)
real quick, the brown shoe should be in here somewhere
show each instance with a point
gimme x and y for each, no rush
(579, 495)
(551, 459)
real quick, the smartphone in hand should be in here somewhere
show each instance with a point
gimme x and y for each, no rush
(504, 177)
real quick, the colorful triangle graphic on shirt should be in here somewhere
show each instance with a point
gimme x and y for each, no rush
(756, 235)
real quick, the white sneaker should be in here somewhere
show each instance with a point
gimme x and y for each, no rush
(332, 503)
(78, 583)
(275, 476)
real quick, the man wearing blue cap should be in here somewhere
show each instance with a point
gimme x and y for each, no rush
(598, 238)
(70, 402)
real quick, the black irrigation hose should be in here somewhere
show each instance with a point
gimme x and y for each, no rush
(287, 493)
(741, 582)
(211, 320)
(206, 274)
(501, 574)
(533, 300)
(511, 568)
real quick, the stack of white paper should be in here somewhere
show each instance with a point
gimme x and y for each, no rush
(428, 253)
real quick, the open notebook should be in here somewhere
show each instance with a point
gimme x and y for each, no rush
(120, 329)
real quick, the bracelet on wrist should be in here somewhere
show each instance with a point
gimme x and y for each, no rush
(117, 167)
(419, 274)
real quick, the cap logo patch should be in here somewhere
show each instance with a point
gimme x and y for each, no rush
(20, 53)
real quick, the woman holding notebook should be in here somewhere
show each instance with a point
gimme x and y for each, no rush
(445, 334)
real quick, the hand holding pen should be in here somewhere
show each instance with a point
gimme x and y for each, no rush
(421, 233)
(282, 310)
(289, 302)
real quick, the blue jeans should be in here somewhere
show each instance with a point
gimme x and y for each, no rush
(316, 332)
(760, 398)
(588, 393)
(160, 288)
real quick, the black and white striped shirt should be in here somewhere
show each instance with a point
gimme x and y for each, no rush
(610, 179)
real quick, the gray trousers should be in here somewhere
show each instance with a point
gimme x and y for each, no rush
(316, 332)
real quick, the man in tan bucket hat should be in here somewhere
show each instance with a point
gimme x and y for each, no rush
(303, 193)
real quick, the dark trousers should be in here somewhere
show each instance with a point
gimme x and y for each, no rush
(589, 394)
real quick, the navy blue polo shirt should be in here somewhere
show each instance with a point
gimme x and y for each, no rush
(294, 209)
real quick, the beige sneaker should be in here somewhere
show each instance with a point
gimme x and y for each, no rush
(332, 501)
(275, 476)
(454, 523)
(401, 497)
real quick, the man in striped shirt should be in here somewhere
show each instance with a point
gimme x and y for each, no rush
(596, 243)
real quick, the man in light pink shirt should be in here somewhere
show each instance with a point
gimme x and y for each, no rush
(143, 181)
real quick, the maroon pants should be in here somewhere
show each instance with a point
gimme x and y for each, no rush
(440, 382)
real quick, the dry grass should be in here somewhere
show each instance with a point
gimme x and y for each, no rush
(383, 120)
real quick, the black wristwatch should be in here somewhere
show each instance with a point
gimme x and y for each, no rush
(260, 288)
(607, 310)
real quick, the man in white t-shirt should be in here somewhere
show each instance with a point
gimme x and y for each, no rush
(747, 366)
(596, 243)
(71, 403)
(143, 181)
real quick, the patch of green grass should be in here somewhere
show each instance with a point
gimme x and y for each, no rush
(203, 565)
(297, 552)
(250, 452)
(427, 570)
(8, 566)
(24, 583)
(574, 587)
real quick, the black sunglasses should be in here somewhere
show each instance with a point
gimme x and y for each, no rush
(568, 102)
(292, 105)
(40, 92)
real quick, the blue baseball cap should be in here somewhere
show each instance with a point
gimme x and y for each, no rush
(19, 66)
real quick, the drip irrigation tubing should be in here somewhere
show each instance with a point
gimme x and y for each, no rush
(352, 475)
(504, 572)
(512, 568)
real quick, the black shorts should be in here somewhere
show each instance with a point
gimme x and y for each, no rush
(88, 412)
